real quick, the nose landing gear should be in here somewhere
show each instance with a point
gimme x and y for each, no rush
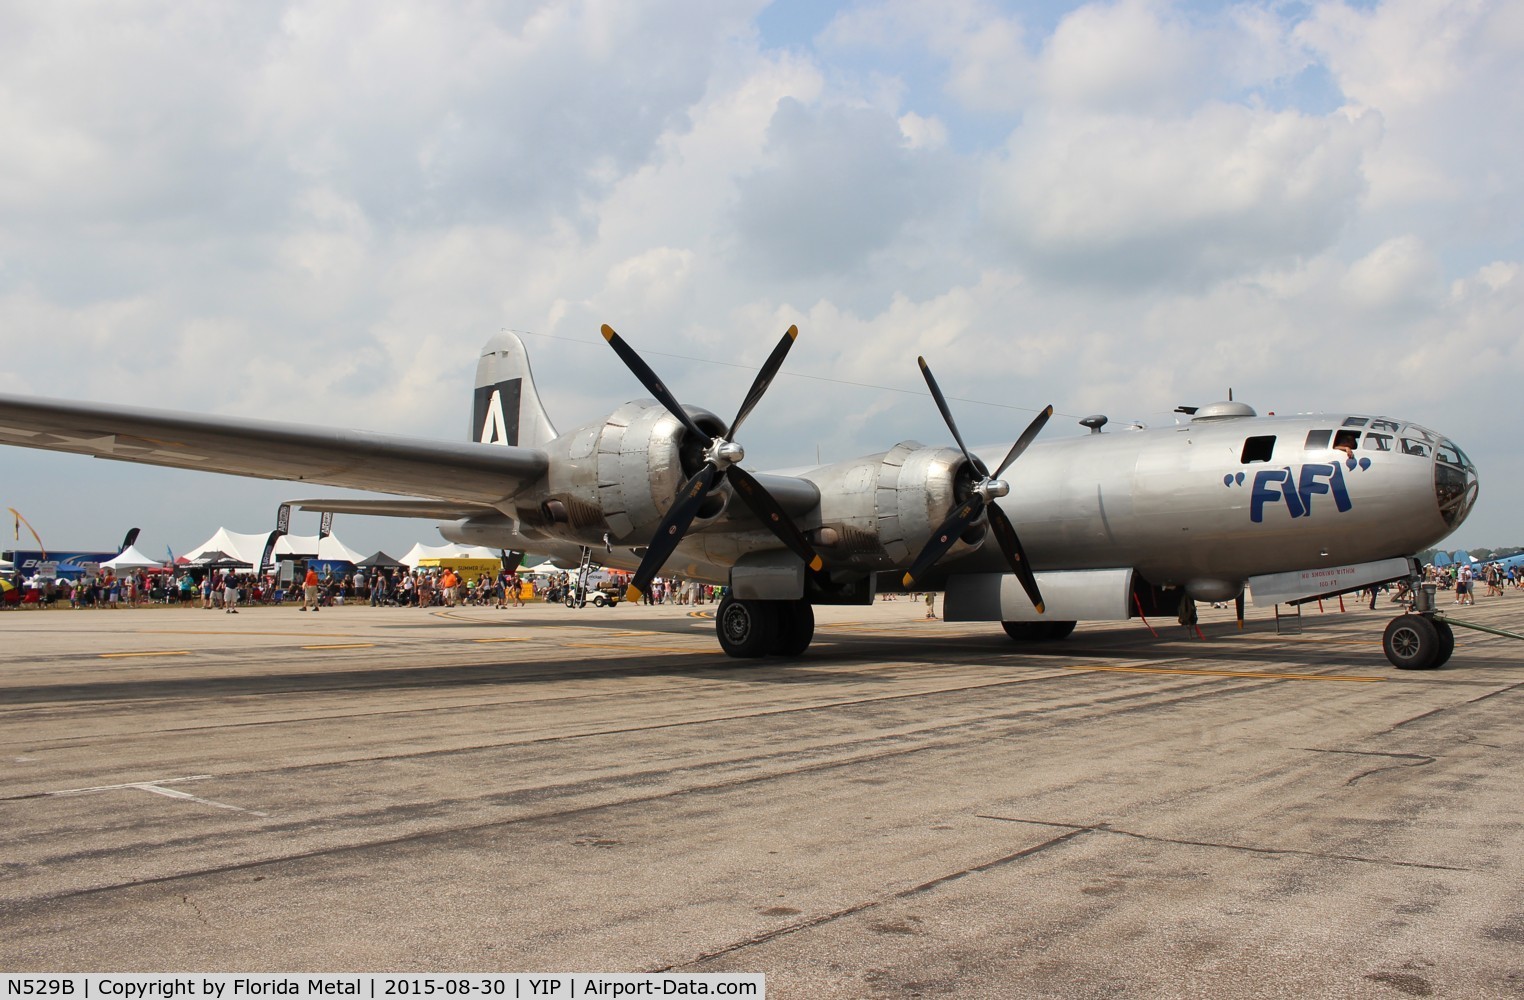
(1418, 642)
(1423, 639)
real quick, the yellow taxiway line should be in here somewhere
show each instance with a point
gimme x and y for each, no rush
(1251, 674)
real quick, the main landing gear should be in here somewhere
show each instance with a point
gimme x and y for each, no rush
(1038, 631)
(749, 629)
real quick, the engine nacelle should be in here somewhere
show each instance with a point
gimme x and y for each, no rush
(619, 476)
(877, 512)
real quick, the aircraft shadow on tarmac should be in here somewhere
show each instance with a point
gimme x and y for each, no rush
(829, 662)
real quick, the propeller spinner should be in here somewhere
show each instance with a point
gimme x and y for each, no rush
(980, 501)
(721, 459)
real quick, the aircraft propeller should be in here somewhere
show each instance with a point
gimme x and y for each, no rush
(981, 500)
(720, 461)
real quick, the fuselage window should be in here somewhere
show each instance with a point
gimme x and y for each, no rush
(1258, 449)
(1318, 440)
(1411, 447)
(1378, 442)
(1355, 421)
(1347, 440)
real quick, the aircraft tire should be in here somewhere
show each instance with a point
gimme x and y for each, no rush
(1411, 642)
(796, 621)
(747, 629)
(1446, 642)
(1058, 630)
(1022, 631)
(1043, 631)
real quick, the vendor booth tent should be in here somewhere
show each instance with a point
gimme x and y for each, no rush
(248, 548)
(419, 552)
(379, 560)
(220, 560)
(131, 558)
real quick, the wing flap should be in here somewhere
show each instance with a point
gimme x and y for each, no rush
(463, 472)
(444, 510)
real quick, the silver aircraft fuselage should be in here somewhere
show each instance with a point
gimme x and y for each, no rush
(1218, 500)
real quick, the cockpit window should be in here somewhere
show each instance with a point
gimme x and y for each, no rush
(1454, 482)
(1354, 421)
(1347, 440)
(1258, 449)
(1378, 442)
(1411, 447)
(1318, 440)
(1384, 425)
(1451, 455)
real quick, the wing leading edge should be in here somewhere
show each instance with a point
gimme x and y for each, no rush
(466, 473)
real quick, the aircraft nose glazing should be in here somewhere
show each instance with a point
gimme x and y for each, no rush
(1455, 482)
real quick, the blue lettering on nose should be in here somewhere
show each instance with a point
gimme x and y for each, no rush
(1296, 488)
(1311, 483)
(1271, 485)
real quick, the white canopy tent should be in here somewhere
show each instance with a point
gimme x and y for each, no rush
(249, 548)
(131, 558)
(420, 552)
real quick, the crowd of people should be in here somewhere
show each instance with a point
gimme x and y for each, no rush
(227, 589)
(1461, 580)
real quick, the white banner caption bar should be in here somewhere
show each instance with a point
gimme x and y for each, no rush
(380, 986)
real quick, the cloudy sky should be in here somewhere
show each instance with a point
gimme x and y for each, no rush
(320, 211)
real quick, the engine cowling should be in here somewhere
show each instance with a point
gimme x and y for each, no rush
(619, 476)
(877, 511)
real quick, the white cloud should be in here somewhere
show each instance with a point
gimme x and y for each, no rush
(1116, 199)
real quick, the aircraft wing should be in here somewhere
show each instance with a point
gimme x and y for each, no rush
(463, 472)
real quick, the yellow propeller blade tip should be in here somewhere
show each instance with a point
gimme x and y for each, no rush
(633, 594)
(908, 580)
(1039, 607)
(793, 333)
(817, 564)
(608, 332)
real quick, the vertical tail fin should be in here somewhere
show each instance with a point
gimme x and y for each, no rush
(506, 408)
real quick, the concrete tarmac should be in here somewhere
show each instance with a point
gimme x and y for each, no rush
(913, 809)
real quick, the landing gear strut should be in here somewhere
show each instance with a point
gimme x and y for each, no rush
(748, 629)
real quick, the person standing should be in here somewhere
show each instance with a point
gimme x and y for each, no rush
(230, 592)
(310, 590)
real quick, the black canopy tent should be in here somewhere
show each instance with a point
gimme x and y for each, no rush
(379, 560)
